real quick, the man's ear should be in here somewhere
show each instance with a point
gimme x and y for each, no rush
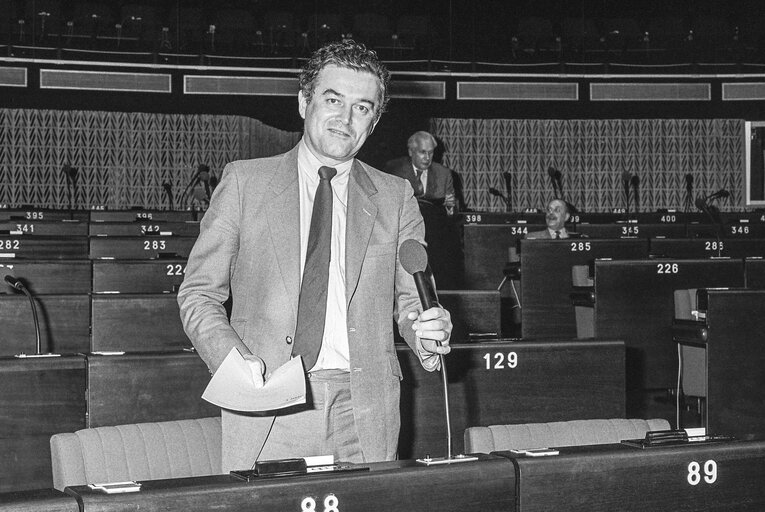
(302, 104)
(568, 217)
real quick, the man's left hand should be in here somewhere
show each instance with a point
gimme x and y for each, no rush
(434, 328)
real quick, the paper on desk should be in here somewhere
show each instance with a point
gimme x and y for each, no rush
(233, 386)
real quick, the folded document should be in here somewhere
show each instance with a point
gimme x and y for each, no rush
(233, 386)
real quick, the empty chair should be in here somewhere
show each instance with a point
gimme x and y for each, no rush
(622, 34)
(44, 19)
(141, 22)
(189, 29)
(557, 434)
(91, 19)
(580, 34)
(139, 451)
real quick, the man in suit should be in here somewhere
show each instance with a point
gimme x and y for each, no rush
(253, 245)
(430, 180)
(556, 218)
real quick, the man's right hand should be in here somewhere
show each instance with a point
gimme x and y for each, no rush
(257, 368)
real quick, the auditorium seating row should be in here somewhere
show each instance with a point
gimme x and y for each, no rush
(489, 383)
(699, 476)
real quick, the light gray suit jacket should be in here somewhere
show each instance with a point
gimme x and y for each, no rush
(249, 244)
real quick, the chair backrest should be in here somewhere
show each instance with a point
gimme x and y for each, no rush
(138, 451)
(557, 434)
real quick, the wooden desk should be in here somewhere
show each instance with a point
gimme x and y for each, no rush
(487, 485)
(634, 302)
(47, 276)
(64, 324)
(698, 477)
(474, 313)
(40, 397)
(137, 323)
(138, 276)
(140, 248)
(508, 382)
(135, 388)
(547, 310)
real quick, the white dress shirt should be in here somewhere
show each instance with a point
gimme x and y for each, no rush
(334, 353)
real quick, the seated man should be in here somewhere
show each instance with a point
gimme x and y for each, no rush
(430, 180)
(556, 218)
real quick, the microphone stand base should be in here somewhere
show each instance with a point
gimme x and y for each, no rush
(435, 461)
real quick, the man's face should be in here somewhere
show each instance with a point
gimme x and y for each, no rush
(341, 113)
(422, 153)
(557, 215)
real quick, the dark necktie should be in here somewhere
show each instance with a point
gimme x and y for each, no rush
(312, 305)
(418, 190)
(557, 235)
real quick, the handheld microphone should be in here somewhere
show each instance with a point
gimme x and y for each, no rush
(414, 259)
(19, 285)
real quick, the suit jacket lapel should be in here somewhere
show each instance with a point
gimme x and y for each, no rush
(361, 215)
(281, 198)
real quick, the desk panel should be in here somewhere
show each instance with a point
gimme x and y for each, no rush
(43, 247)
(47, 276)
(141, 276)
(508, 382)
(140, 248)
(735, 353)
(486, 249)
(45, 228)
(622, 230)
(135, 388)
(41, 500)
(547, 311)
(726, 476)
(474, 313)
(707, 247)
(634, 301)
(40, 397)
(136, 323)
(141, 215)
(487, 485)
(42, 214)
(143, 228)
(754, 268)
(64, 324)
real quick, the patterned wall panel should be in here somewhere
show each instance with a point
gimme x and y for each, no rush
(123, 158)
(593, 156)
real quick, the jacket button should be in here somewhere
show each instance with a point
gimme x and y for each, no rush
(288, 339)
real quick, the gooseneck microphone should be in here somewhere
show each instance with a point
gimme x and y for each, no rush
(168, 188)
(20, 286)
(414, 259)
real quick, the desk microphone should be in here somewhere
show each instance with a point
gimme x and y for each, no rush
(20, 286)
(414, 259)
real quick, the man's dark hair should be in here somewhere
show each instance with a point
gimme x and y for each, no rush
(345, 54)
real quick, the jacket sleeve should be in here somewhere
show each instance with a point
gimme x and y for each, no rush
(206, 285)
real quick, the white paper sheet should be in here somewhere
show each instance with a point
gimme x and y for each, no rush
(233, 386)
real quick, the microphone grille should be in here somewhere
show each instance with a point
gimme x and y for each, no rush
(413, 256)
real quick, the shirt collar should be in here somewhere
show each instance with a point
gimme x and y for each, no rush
(308, 162)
